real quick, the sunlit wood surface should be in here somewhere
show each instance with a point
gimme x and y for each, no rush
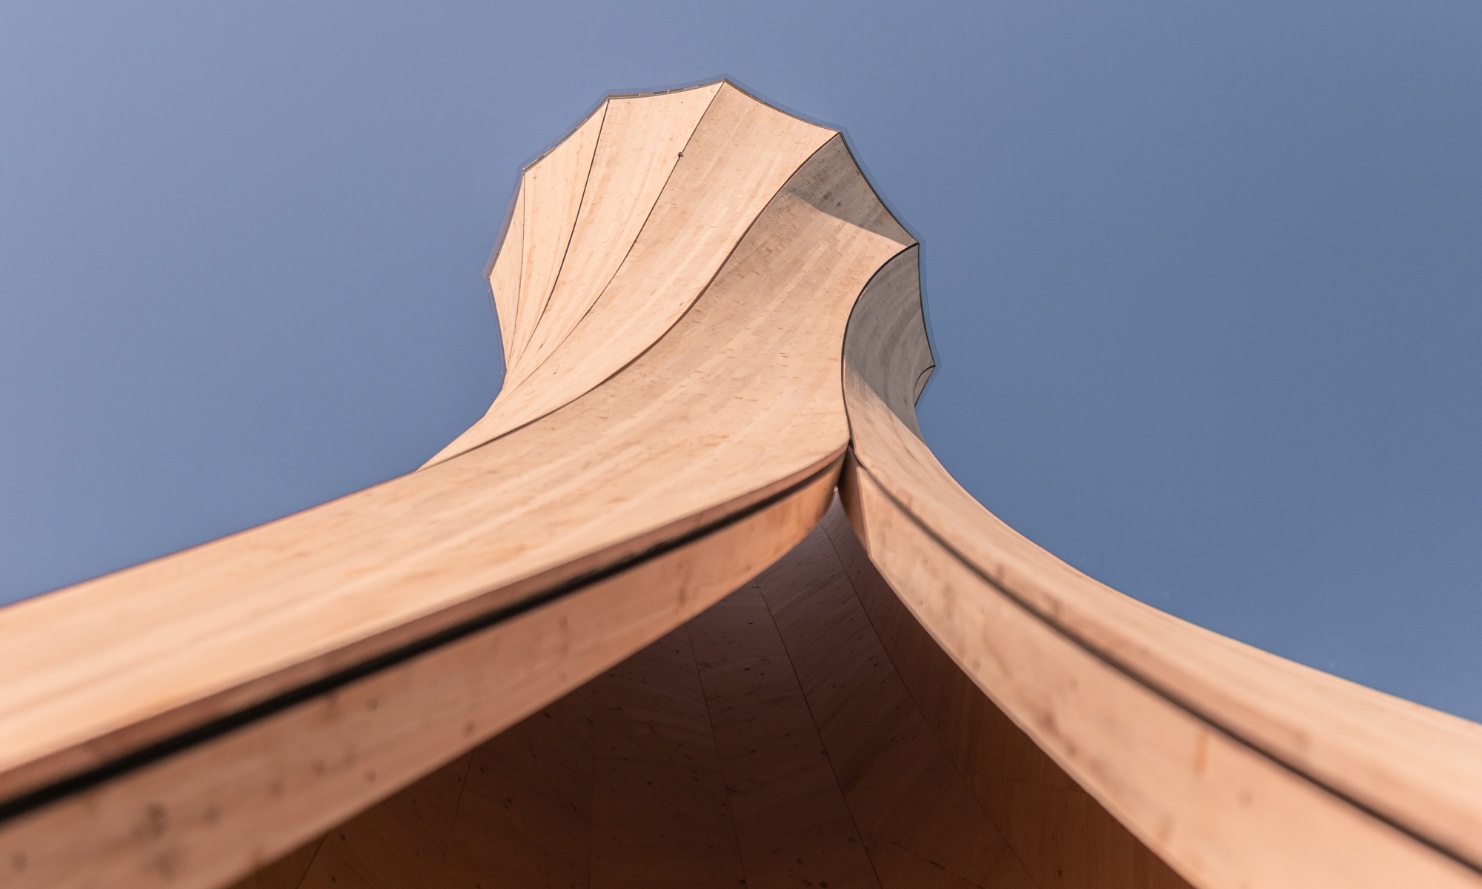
(556, 655)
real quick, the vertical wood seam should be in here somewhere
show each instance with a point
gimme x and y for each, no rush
(910, 695)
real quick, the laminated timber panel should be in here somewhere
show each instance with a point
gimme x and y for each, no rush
(1210, 751)
(1063, 837)
(919, 821)
(285, 873)
(792, 824)
(219, 809)
(551, 192)
(660, 812)
(525, 817)
(643, 138)
(505, 272)
(396, 843)
(744, 164)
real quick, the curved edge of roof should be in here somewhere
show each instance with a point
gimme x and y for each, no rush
(753, 94)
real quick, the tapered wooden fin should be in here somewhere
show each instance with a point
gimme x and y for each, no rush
(624, 632)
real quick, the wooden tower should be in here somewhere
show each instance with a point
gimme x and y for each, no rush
(691, 605)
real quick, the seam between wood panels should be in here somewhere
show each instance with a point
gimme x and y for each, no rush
(657, 197)
(910, 695)
(714, 741)
(864, 841)
(575, 220)
(510, 355)
(1152, 686)
(442, 860)
(519, 292)
(665, 333)
(590, 688)
(318, 847)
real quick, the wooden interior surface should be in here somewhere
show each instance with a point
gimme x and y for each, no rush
(779, 739)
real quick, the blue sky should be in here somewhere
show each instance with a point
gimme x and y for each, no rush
(1205, 280)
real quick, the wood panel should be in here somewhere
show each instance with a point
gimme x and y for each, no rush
(792, 824)
(1062, 835)
(739, 174)
(552, 189)
(525, 819)
(1208, 750)
(505, 272)
(920, 822)
(395, 844)
(643, 138)
(659, 806)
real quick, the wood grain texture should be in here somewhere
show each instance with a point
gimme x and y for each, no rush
(525, 819)
(552, 191)
(1062, 835)
(659, 804)
(744, 167)
(1209, 750)
(792, 824)
(395, 844)
(643, 138)
(919, 821)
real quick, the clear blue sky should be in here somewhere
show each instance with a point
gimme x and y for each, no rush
(1205, 280)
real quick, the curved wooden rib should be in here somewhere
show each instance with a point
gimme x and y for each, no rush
(683, 285)
(1238, 767)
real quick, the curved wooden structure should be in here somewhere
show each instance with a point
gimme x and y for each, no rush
(557, 655)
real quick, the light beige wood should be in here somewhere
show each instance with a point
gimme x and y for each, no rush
(744, 170)
(643, 138)
(505, 272)
(1209, 750)
(917, 817)
(552, 190)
